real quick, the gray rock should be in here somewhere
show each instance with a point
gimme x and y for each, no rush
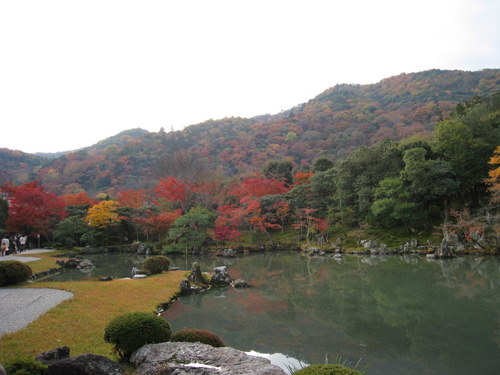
(85, 364)
(196, 276)
(141, 249)
(240, 283)
(139, 276)
(52, 356)
(85, 264)
(227, 253)
(187, 288)
(220, 276)
(72, 263)
(369, 244)
(312, 251)
(182, 358)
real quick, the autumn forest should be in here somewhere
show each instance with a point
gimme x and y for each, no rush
(413, 152)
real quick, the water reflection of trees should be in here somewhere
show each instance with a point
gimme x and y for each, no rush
(419, 316)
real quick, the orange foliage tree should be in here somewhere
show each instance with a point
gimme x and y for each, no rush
(78, 199)
(494, 177)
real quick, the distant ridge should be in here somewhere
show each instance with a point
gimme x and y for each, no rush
(334, 123)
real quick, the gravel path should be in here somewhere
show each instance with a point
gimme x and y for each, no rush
(19, 307)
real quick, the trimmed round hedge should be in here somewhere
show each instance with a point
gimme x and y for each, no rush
(130, 331)
(24, 366)
(197, 335)
(327, 370)
(14, 272)
(156, 264)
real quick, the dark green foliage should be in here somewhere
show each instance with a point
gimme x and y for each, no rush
(360, 174)
(24, 366)
(156, 264)
(322, 164)
(189, 231)
(129, 332)
(70, 231)
(280, 170)
(326, 370)
(197, 335)
(14, 272)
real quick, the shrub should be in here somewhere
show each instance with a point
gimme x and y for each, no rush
(327, 370)
(130, 331)
(24, 366)
(197, 335)
(14, 272)
(156, 264)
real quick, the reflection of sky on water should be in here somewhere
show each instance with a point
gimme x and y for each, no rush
(285, 362)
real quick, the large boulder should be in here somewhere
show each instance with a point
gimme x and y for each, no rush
(85, 364)
(183, 358)
(196, 276)
(85, 264)
(220, 277)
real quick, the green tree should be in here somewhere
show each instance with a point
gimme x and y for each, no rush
(189, 231)
(430, 181)
(322, 164)
(280, 170)
(69, 231)
(466, 141)
(455, 142)
(359, 175)
(393, 205)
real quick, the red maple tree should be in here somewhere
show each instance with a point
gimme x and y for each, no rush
(32, 209)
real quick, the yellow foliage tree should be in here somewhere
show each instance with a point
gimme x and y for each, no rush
(103, 214)
(494, 179)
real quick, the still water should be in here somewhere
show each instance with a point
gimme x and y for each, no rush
(109, 264)
(400, 315)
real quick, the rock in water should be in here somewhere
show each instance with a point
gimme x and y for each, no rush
(220, 276)
(184, 358)
(240, 283)
(196, 276)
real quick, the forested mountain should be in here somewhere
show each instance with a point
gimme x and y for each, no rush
(333, 124)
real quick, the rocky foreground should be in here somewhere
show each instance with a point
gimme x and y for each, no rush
(168, 358)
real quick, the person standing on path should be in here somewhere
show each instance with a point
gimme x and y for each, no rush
(22, 243)
(5, 246)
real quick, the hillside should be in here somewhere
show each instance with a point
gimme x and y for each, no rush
(333, 124)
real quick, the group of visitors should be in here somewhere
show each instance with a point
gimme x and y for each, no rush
(14, 244)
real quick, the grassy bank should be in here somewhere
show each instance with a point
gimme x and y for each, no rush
(46, 262)
(79, 322)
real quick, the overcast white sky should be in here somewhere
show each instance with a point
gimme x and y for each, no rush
(75, 72)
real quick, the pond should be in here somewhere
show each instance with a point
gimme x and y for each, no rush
(108, 264)
(399, 315)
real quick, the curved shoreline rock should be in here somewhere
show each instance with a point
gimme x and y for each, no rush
(195, 358)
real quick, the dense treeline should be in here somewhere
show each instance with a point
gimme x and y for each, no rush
(449, 179)
(333, 124)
